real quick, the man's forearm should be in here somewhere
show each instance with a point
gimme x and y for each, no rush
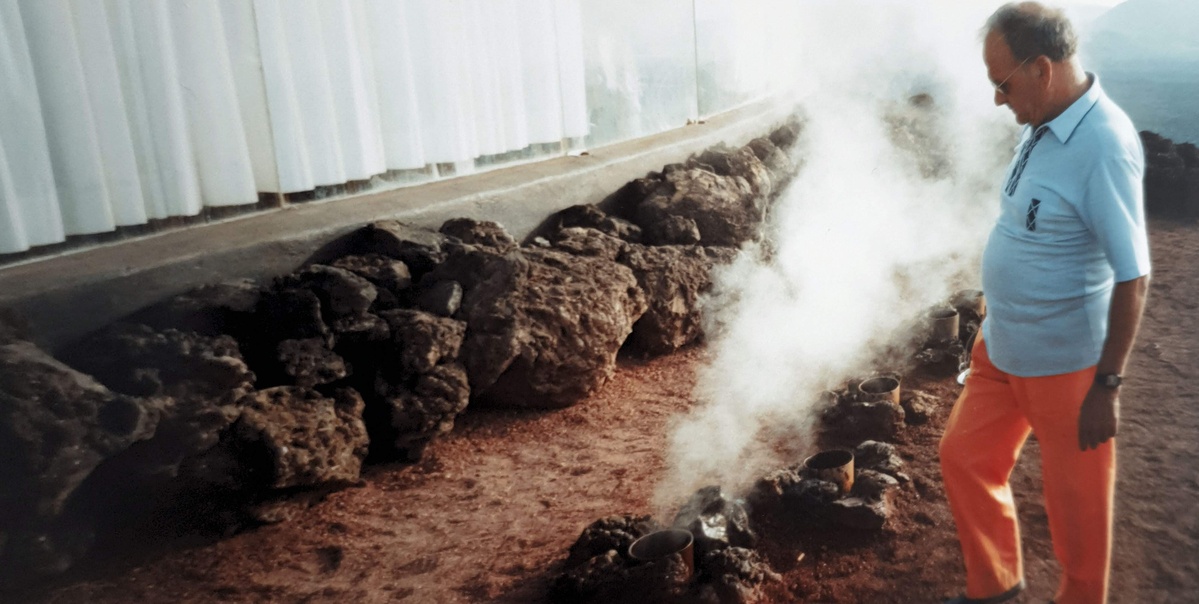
(1123, 320)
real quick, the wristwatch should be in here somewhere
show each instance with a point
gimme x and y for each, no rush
(1109, 380)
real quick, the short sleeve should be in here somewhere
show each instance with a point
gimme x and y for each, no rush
(1114, 210)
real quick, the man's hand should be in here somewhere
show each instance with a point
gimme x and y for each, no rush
(1100, 417)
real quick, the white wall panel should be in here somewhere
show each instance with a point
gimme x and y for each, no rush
(28, 198)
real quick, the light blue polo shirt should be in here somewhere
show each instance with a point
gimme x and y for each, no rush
(1071, 225)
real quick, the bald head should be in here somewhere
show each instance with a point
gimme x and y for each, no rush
(1031, 30)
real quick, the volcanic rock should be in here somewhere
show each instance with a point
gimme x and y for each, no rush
(384, 273)
(1171, 178)
(288, 314)
(580, 241)
(56, 426)
(543, 326)
(291, 436)
(742, 163)
(442, 298)
(673, 230)
(786, 135)
(480, 233)
(776, 161)
(736, 575)
(917, 407)
(421, 341)
(137, 360)
(426, 410)
(715, 521)
(872, 485)
(673, 279)
(807, 501)
(624, 202)
(418, 248)
(866, 419)
(341, 292)
(13, 326)
(878, 456)
(858, 513)
(611, 578)
(308, 363)
(592, 217)
(363, 329)
(610, 533)
(211, 310)
(725, 209)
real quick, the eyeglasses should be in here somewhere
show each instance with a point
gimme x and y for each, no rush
(1001, 87)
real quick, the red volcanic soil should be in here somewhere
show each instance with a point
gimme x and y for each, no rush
(490, 512)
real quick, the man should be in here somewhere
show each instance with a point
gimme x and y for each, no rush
(1065, 272)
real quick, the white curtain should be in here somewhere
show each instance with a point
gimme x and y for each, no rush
(117, 112)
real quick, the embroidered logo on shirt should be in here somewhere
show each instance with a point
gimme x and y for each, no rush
(1030, 219)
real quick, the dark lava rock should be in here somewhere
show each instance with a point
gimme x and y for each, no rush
(13, 326)
(805, 502)
(772, 486)
(420, 341)
(418, 248)
(442, 298)
(57, 426)
(291, 437)
(480, 233)
(579, 241)
(673, 279)
(715, 520)
(781, 168)
(385, 273)
(205, 379)
(737, 575)
(308, 363)
(861, 514)
(137, 360)
(610, 533)
(917, 407)
(592, 217)
(725, 209)
(941, 359)
(359, 330)
(425, 409)
(786, 135)
(673, 230)
(1171, 178)
(872, 485)
(288, 314)
(870, 419)
(740, 163)
(624, 202)
(878, 456)
(610, 578)
(341, 292)
(211, 310)
(544, 327)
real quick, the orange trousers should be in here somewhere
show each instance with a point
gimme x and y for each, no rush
(987, 428)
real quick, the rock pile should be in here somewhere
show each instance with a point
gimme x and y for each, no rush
(857, 415)
(1171, 177)
(247, 390)
(726, 568)
(795, 496)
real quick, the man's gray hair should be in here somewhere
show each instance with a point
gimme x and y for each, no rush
(1031, 30)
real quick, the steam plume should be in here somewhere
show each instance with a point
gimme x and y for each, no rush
(887, 217)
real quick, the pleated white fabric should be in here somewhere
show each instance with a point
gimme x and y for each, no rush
(29, 211)
(117, 112)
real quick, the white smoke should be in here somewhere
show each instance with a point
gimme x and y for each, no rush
(862, 241)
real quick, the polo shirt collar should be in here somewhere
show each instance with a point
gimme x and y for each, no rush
(1064, 125)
